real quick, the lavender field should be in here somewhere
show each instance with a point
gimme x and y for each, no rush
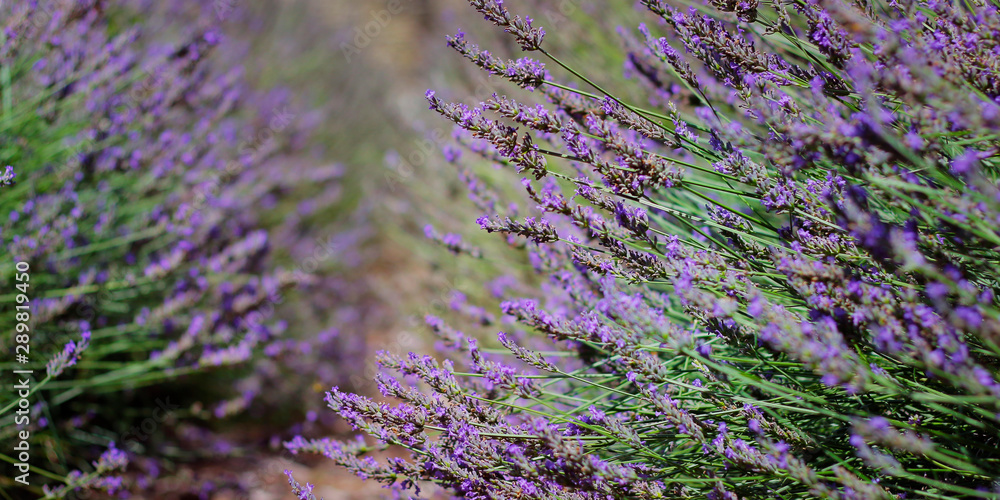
(485, 249)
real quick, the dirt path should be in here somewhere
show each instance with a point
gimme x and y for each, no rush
(384, 40)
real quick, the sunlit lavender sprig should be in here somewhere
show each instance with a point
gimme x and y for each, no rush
(767, 270)
(527, 36)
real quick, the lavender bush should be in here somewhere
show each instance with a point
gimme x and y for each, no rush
(149, 175)
(776, 278)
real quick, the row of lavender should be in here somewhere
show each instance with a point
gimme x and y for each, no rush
(149, 176)
(777, 279)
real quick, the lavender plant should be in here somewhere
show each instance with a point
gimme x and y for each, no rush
(776, 278)
(146, 174)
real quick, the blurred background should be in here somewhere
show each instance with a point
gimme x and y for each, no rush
(365, 67)
(359, 70)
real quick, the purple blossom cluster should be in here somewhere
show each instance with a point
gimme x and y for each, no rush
(149, 175)
(778, 279)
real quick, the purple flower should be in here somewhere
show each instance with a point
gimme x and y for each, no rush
(68, 356)
(7, 179)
